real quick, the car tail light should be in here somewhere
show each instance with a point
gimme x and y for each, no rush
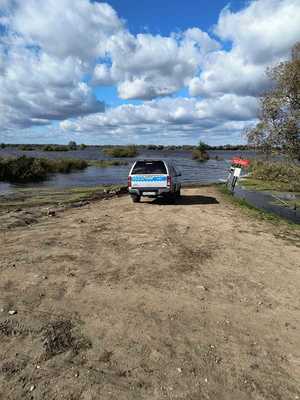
(129, 181)
(169, 181)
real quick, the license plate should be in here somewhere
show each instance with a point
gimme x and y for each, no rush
(149, 193)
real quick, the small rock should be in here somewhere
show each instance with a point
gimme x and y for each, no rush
(51, 213)
(203, 287)
(179, 370)
(38, 367)
(206, 380)
(12, 312)
(2, 310)
(31, 389)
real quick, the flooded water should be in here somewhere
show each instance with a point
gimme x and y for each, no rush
(272, 202)
(192, 171)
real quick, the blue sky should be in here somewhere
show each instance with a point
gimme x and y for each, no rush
(170, 72)
(163, 17)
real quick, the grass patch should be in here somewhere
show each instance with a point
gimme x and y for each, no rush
(30, 169)
(260, 185)
(106, 163)
(280, 176)
(41, 197)
(120, 152)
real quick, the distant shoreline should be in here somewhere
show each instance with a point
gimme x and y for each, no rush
(81, 147)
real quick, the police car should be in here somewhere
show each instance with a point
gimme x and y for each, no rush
(154, 178)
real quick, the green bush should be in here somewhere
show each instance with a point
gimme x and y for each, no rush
(2, 146)
(128, 151)
(30, 169)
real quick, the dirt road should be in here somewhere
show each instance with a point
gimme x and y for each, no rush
(117, 300)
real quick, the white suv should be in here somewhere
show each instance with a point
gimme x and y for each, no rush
(153, 178)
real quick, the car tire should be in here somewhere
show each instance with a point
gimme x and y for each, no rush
(178, 193)
(171, 198)
(135, 198)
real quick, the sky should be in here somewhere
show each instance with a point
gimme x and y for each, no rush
(138, 71)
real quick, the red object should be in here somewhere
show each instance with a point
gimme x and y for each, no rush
(240, 161)
(169, 181)
(129, 181)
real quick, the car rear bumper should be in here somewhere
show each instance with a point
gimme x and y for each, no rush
(149, 192)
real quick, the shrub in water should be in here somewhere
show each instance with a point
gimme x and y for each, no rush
(128, 151)
(30, 169)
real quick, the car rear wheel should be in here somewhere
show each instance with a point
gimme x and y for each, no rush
(171, 198)
(135, 198)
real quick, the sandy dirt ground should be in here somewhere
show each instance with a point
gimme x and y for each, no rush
(119, 301)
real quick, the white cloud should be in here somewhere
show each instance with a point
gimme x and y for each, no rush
(147, 66)
(43, 59)
(66, 27)
(36, 89)
(263, 31)
(102, 75)
(181, 117)
(261, 34)
(227, 72)
(50, 49)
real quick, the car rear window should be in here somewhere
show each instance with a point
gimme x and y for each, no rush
(149, 167)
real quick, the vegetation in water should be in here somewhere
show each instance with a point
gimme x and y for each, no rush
(120, 152)
(107, 163)
(27, 147)
(30, 169)
(60, 147)
(201, 153)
